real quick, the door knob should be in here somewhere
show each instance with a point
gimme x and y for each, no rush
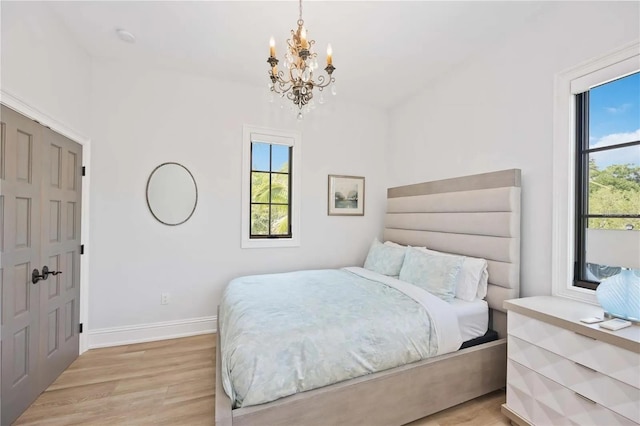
(36, 276)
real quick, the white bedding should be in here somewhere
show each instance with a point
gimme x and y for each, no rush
(446, 327)
(287, 333)
(473, 317)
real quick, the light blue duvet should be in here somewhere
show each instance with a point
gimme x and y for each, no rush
(287, 333)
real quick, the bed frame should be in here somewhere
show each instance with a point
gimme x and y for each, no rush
(476, 215)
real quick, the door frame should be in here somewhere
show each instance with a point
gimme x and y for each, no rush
(47, 120)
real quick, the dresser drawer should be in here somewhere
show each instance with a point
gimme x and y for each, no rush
(613, 361)
(613, 394)
(542, 401)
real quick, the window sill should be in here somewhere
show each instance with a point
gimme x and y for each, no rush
(578, 293)
(270, 243)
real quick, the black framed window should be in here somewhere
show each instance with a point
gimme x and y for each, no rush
(607, 193)
(270, 190)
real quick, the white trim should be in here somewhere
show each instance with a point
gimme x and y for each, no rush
(605, 75)
(127, 335)
(282, 137)
(562, 257)
(25, 109)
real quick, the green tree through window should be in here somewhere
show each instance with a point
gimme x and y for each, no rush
(614, 190)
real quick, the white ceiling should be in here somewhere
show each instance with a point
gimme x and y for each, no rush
(383, 51)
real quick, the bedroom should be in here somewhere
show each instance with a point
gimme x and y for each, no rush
(117, 98)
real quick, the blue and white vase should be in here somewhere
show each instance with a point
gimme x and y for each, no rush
(619, 295)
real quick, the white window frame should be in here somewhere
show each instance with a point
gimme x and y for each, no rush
(568, 83)
(277, 137)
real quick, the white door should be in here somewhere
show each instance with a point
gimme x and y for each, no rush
(40, 197)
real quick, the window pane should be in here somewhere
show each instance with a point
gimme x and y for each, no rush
(279, 188)
(259, 187)
(614, 112)
(260, 156)
(279, 220)
(280, 158)
(614, 186)
(595, 272)
(259, 219)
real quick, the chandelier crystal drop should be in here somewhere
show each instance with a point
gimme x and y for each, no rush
(296, 81)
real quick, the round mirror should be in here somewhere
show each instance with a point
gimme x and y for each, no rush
(172, 194)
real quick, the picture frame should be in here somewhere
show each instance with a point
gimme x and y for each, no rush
(345, 196)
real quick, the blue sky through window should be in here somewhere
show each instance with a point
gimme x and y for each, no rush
(614, 117)
(279, 158)
(260, 157)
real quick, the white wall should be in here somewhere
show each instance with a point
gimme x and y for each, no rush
(142, 117)
(497, 113)
(43, 66)
(138, 117)
(494, 113)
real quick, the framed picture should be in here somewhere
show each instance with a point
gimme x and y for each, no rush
(346, 195)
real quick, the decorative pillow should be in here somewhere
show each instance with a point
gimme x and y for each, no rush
(473, 277)
(436, 274)
(385, 259)
(392, 244)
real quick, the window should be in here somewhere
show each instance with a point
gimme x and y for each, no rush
(596, 166)
(607, 178)
(270, 188)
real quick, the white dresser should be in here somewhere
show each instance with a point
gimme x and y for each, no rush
(564, 372)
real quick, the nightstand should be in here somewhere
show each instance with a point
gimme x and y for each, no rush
(561, 371)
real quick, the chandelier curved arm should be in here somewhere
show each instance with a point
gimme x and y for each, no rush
(324, 81)
(278, 82)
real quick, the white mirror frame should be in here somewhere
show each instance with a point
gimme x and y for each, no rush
(158, 213)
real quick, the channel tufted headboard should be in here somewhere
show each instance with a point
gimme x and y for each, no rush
(477, 215)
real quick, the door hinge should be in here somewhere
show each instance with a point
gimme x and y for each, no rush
(84, 170)
(81, 248)
(80, 328)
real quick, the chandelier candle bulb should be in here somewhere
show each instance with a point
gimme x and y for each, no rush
(272, 47)
(329, 55)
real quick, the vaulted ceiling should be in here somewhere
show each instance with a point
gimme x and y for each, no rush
(383, 50)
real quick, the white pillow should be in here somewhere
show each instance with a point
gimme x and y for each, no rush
(472, 279)
(385, 259)
(483, 284)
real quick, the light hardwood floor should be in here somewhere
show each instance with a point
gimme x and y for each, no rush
(172, 382)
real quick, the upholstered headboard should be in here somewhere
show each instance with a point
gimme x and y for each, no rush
(477, 215)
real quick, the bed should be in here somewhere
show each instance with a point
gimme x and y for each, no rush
(477, 216)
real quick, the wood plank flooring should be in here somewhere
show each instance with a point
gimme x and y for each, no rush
(172, 382)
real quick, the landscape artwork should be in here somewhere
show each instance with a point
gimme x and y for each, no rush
(346, 195)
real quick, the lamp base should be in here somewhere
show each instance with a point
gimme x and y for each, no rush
(607, 315)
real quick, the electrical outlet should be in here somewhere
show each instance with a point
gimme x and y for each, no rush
(164, 298)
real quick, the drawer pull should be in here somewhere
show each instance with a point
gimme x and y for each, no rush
(585, 398)
(584, 366)
(584, 335)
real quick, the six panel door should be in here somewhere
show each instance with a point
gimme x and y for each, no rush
(40, 196)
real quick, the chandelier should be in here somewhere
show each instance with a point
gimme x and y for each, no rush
(296, 81)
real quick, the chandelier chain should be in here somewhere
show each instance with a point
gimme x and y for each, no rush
(300, 8)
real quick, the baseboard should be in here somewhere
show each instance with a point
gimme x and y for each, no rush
(117, 336)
